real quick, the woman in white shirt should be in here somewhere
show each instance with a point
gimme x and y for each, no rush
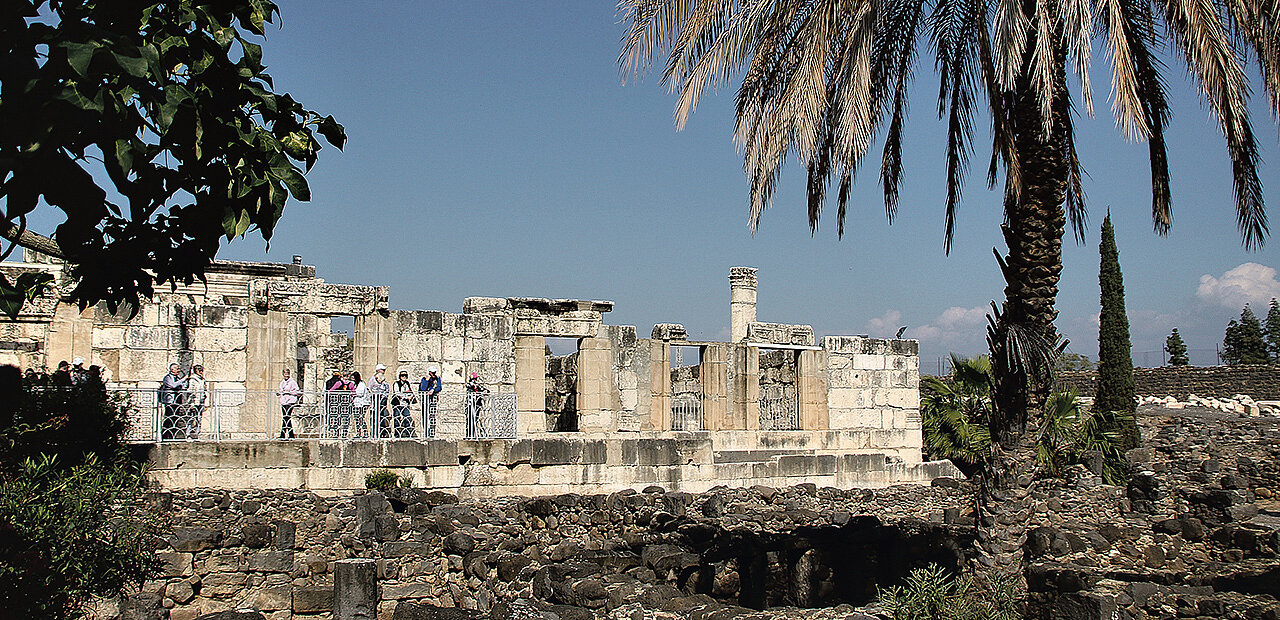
(360, 405)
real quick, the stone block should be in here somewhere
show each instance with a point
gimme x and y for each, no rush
(594, 452)
(420, 321)
(222, 367)
(173, 564)
(274, 597)
(143, 365)
(230, 317)
(440, 452)
(867, 362)
(217, 339)
(419, 347)
(556, 452)
(286, 534)
(355, 589)
(271, 561)
(405, 453)
(154, 338)
(861, 462)
(312, 600)
(656, 452)
(407, 590)
(193, 539)
(223, 585)
(452, 347)
(108, 337)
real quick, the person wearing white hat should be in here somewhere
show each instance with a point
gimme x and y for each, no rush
(430, 387)
(78, 371)
(379, 390)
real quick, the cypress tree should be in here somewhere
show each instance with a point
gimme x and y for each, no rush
(1176, 349)
(1273, 332)
(1243, 342)
(1116, 391)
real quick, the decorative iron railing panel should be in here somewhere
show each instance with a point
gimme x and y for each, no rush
(232, 414)
(686, 412)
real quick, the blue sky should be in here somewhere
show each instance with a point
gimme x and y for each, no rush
(495, 150)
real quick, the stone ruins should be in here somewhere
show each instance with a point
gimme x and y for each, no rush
(774, 405)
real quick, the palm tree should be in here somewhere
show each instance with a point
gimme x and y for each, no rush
(826, 78)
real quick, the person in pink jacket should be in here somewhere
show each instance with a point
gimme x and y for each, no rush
(290, 394)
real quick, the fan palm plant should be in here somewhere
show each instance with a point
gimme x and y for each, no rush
(954, 414)
(1067, 433)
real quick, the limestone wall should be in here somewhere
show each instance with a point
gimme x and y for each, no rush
(250, 321)
(459, 344)
(575, 462)
(874, 383)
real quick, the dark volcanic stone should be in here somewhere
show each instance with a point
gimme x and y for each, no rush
(386, 527)
(406, 610)
(256, 535)
(459, 543)
(192, 539)
(142, 606)
(242, 614)
(540, 506)
(509, 566)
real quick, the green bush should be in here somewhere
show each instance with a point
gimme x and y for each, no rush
(71, 527)
(406, 482)
(380, 480)
(933, 593)
(954, 417)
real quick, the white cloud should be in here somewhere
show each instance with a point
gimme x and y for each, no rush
(885, 325)
(957, 329)
(1249, 283)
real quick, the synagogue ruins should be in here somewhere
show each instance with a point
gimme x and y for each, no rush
(773, 405)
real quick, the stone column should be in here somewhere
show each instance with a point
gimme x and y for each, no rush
(742, 301)
(267, 351)
(70, 335)
(714, 371)
(811, 382)
(375, 343)
(531, 383)
(746, 387)
(660, 385)
(355, 589)
(595, 386)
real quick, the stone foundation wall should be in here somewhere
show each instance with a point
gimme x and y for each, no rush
(583, 462)
(572, 554)
(1260, 382)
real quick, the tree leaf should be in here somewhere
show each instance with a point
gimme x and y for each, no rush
(294, 180)
(332, 131)
(133, 65)
(79, 55)
(10, 298)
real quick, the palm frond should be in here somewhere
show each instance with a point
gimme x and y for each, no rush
(1200, 33)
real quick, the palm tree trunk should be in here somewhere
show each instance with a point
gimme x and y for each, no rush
(1034, 225)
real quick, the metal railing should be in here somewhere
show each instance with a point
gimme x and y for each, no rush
(686, 412)
(230, 414)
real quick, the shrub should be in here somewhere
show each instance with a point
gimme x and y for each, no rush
(70, 524)
(380, 480)
(933, 593)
